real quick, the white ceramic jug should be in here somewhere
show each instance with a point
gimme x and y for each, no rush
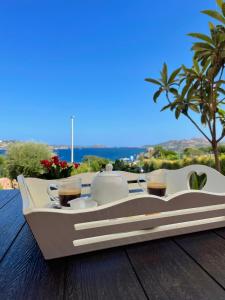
(108, 186)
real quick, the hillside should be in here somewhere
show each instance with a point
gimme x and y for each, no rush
(180, 145)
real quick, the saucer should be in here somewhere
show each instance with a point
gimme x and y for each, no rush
(82, 203)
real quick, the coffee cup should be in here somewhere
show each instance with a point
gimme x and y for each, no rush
(155, 183)
(65, 192)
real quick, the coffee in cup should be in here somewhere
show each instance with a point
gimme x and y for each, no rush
(157, 189)
(65, 195)
(155, 183)
(65, 191)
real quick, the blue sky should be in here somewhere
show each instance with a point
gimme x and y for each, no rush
(90, 58)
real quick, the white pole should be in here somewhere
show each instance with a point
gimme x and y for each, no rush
(72, 138)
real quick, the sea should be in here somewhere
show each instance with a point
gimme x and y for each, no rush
(109, 153)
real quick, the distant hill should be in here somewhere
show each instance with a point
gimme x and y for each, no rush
(180, 145)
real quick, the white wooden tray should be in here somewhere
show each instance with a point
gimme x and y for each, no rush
(139, 217)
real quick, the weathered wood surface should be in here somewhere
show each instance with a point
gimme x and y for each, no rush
(25, 275)
(102, 275)
(166, 272)
(11, 220)
(208, 250)
(6, 196)
(187, 267)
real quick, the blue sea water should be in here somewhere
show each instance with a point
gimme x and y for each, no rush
(110, 153)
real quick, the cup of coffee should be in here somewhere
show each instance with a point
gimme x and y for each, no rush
(156, 188)
(155, 183)
(65, 192)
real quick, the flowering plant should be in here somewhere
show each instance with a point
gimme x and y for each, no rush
(56, 168)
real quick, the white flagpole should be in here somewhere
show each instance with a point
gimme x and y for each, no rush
(72, 139)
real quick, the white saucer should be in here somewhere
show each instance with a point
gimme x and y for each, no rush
(82, 203)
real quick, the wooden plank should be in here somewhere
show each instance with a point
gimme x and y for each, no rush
(103, 227)
(121, 239)
(208, 249)
(6, 196)
(220, 232)
(102, 275)
(11, 221)
(166, 272)
(24, 274)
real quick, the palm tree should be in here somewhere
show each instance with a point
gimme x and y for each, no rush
(199, 89)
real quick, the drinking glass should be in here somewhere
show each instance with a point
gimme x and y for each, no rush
(66, 191)
(155, 183)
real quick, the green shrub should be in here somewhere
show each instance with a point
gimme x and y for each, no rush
(83, 168)
(177, 164)
(96, 163)
(154, 164)
(166, 165)
(24, 158)
(222, 160)
(148, 167)
(161, 153)
(193, 151)
(120, 165)
(95, 166)
(3, 168)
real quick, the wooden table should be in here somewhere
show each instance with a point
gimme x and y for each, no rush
(185, 267)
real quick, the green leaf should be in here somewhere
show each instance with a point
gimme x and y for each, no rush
(173, 91)
(194, 182)
(211, 26)
(223, 9)
(220, 90)
(221, 112)
(192, 90)
(202, 46)
(197, 69)
(201, 37)
(202, 181)
(174, 75)
(151, 80)
(182, 80)
(156, 95)
(214, 14)
(201, 54)
(221, 81)
(185, 89)
(164, 73)
(177, 113)
(194, 108)
(219, 3)
(205, 63)
(166, 107)
(203, 119)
